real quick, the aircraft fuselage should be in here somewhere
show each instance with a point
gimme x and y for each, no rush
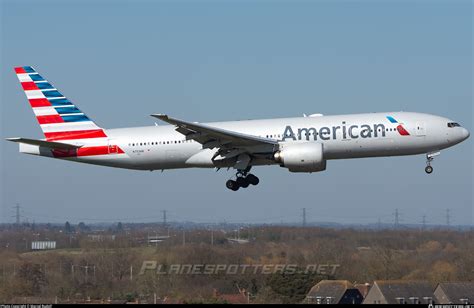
(342, 136)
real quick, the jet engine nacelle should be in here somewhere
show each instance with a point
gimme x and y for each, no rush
(301, 156)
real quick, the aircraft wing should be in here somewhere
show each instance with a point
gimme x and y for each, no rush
(213, 137)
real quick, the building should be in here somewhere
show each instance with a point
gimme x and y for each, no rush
(400, 292)
(101, 237)
(363, 288)
(243, 297)
(43, 245)
(334, 292)
(455, 293)
(238, 241)
(155, 239)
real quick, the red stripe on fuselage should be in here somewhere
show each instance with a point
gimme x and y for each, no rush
(402, 131)
(28, 85)
(99, 150)
(91, 151)
(87, 151)
(39, 102)
(80, 134)
(48, 119)
(20, 70)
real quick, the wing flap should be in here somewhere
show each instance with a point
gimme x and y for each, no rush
(46, 144)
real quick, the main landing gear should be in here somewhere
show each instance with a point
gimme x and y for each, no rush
(429, 159)
(244, 179)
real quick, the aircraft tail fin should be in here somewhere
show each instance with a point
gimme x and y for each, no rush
(58, 117)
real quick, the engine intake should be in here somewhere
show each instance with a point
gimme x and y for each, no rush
(301, 157)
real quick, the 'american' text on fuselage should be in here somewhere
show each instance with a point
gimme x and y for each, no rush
(327, 133)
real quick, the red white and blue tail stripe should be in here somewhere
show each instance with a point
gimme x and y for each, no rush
(58, 117)
(61, 121)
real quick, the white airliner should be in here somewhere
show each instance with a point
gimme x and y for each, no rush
(301, 144)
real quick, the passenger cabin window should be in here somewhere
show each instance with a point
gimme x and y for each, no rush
(453, 124)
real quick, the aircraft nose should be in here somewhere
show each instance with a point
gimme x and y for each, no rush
(465, 134)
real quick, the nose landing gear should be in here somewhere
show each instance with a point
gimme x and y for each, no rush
(244, 179)
(429, 159)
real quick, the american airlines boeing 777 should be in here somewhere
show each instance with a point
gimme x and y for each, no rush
(301, 144)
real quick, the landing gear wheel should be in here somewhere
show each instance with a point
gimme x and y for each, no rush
(252, 179)
(232, 185)
(429, 158)
(242, 182)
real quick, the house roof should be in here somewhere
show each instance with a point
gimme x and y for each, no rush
(363, 288)
(233, 298)
(392, 290)
(455, 291)
(333, 289)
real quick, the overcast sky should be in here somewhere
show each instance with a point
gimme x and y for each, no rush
(208, 61)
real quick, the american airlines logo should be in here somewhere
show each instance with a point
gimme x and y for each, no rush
(327, 133)
(400, 127)
(348, 132)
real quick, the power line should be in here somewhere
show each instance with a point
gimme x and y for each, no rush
(62, 218)
(17, 215)
(397, 218)
(448, 217)
(304, 217)
(164, 218)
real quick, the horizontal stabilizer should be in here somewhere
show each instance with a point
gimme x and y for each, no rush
(46, 144)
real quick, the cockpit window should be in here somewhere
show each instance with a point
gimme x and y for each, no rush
(453, 124)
